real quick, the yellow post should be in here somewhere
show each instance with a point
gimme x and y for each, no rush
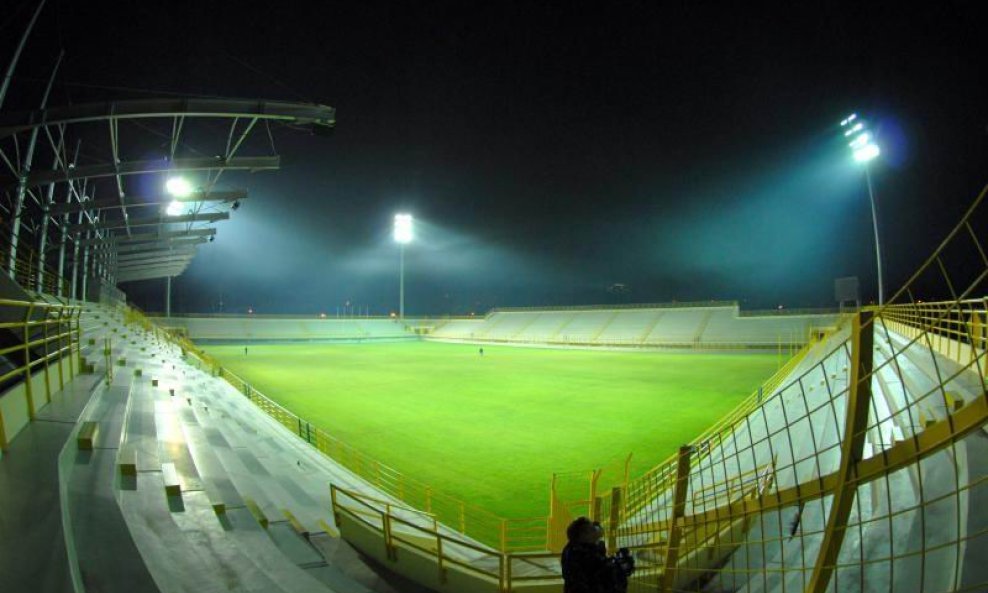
(594, 477)
(676, 520)
(75, 350)
(61, 347)
(463, 517)
(388, 547)
(3, 433)
(47, 354)
(504, 535)
(614, 519)
(27, 362)
(439, 557)
(852, 447)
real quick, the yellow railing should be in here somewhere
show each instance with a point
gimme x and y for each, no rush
(644, 488)
(45, 333)
(411, 529)
(28, 268)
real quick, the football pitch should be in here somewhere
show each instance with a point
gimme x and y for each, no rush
(492, 429)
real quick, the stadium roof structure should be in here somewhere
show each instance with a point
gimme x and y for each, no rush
(77, 180)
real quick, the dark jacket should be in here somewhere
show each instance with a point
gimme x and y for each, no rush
(585, 569)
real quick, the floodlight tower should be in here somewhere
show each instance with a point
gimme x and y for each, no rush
(864, 150)
(403, 236)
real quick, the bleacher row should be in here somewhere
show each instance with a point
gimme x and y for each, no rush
(251, 328)
(216, 495)
(712, 326)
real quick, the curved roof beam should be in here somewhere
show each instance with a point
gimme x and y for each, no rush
(319, 116)
(114, 204)
(120, 224)
(253, 163)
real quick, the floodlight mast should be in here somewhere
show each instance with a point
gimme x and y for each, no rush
(402, 235)
(864, 150)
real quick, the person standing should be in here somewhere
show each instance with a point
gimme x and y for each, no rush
(584, 559)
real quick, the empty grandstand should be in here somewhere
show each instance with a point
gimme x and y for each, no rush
(287, 329)
(714, 325)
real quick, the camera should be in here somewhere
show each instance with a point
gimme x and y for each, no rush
(622, 563)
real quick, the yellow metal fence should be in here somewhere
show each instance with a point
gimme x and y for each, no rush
(45, 333)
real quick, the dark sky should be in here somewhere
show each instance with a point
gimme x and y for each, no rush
(550, 151)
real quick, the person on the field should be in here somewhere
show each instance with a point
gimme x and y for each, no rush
(584, 559)
(481, 351)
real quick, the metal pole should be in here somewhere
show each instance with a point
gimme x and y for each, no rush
(17, 54)
(85, 269)
(75, 266)
(15, 231)
(878, 247)
(401, 281)
(168, 296)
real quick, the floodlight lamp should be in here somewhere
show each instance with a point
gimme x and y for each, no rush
(866, 153)
(174, 208)
(854, 129)
(178, 187)
(860, 141)
(403, 228)
(848, 119)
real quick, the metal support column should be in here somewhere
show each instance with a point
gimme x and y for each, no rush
(85, 269)
(168, 296)
(852, 447)
(15, 229)
(75, 267)
(17, 54)
(401, 281)
(668, 577)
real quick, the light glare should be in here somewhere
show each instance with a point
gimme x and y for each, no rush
(854, 129)
(178, 187)
(866, 153)
(860, 140)
(174, 208)
(403, 228)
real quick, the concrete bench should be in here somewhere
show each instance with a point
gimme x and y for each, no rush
(295, 523)
(215, 499)
(127, 461)
(169, 475)
(87, 435)
(256, 511)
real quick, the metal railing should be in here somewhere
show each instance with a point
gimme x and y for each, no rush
(403, 527)
(44, 333)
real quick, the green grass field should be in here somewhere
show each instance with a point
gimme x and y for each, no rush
(492, 429)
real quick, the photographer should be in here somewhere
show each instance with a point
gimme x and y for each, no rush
(586, 566)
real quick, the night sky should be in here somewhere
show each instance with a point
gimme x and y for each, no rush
(549, 151)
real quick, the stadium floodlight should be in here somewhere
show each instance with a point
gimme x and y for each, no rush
(178, 187)
(403, 236)
(864, 150)
(403, 228)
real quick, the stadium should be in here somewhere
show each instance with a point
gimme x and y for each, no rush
(151, 443)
